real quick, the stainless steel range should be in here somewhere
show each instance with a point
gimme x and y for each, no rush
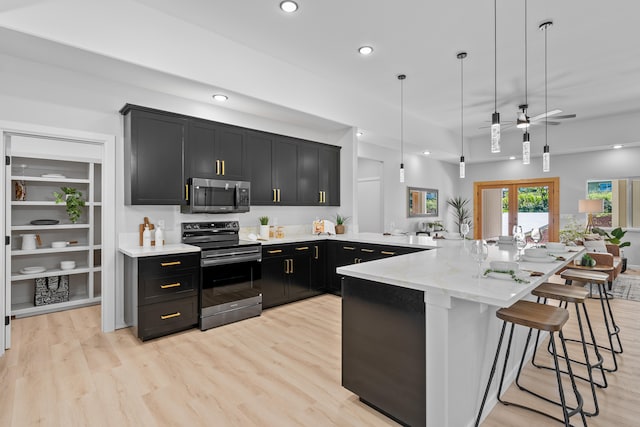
(230, 269)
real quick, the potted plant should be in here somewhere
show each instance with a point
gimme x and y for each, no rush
(615, 238)
(264, 227)
(461, 212)
(73, 198)
(340, 221)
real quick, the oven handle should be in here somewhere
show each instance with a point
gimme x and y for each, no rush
(220, 260)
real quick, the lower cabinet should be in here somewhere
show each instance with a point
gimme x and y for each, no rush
(161, 294)
(288, 273)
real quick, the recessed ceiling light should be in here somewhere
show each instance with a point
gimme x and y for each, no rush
(512, 157)
(289, 6)
(365, 50)
(426, 152)
(359, 133)
(615, 147)
(220, 98)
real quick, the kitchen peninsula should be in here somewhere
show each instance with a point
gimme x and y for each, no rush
(421, 327)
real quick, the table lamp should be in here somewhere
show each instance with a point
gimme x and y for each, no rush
(590, 206)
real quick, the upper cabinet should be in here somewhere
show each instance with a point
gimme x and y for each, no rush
(163, 150)
(214, 151)
(153, 147)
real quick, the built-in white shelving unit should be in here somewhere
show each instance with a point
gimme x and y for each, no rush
(83, 173)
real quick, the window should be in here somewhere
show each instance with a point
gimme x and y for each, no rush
(601, 190)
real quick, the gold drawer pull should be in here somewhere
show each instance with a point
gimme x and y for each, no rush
(367, 250)
(349, 248)
(274, 251)
(222, 167)
(302, 248)
(387, 253)
(186, 192)
(171, 316)
(169, 264)
(171, 285)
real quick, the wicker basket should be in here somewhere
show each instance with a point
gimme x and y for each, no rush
(52, 289)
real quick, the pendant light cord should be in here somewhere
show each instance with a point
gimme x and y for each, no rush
(462, 105)
(546, 109)
(402, 121)
(495, 56)
(526, 99)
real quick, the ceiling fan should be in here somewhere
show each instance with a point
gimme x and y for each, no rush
(524, 121)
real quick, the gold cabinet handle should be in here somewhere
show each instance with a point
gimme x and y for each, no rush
(274, 251)
(286, 266)
(324, 197)
(222, 167)
(317, 252)
(170, 285)
(357, 260)
(278, 195)
(171, 316)
(387, 253)
(217, 167)
(320, 201)
(349, 248)
(302, 248)
(169, 264)
(291, 270)
(275, 198)
(186, 192)
(367, 250)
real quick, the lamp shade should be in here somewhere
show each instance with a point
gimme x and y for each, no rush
(590, 206)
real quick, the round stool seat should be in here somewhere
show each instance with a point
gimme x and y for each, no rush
(534, 315)
(561, 292)
(597, 277)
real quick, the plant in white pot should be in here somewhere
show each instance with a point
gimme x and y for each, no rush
(264, 227)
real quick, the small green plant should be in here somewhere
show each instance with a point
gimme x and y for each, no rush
(587, 261)
(73, 198)
(461, 212)
(341, 220)
(264, 220)
(615, 238)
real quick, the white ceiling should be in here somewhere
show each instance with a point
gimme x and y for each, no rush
(278, 65)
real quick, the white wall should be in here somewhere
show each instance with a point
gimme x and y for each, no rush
(420, 171)
(573, 170)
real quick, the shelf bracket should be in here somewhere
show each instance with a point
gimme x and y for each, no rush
(7, 160)
(7, 320)
(7, 240)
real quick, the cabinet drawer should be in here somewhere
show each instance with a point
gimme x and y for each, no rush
(169, 286)
(276, 251)
(166, 264)
(160, 319)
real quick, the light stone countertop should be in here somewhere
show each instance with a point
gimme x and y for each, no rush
(449, 271)
(135, 251)
(421, 241)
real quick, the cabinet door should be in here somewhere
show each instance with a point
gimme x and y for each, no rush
(229, 151)
(318, 267)
(258, 167)
(155, 144)
(299, 272)
(329, 174)
(273, 282)
(368, 253)
(285, 170)
(343, 253)
(200, 161)
(308, 187)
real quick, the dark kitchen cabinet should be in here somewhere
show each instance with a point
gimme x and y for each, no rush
(329, 175)
(153, 148)
(161, 294)
(214, 151)
(318, 174)
(299, 272)
(258, 167)
(272, 279)
(284, 169)
(318, 267)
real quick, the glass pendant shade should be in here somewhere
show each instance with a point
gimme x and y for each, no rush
(495, 133)
(401, 172)
(526, 149)
(546, 159)
(462, 168)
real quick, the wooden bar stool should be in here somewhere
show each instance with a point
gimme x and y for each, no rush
(571, 294)
(600, 279)
(545, 318)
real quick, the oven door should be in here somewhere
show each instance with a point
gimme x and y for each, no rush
(226, 283)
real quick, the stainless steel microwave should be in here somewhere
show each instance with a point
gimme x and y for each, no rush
(217, 196)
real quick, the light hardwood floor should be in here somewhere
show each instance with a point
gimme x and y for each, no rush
(281, 369)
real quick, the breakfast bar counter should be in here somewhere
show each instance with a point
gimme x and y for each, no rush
(431, 307)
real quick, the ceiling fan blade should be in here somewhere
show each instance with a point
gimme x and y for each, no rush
(541, 122)
(547, 114)
(565, 116)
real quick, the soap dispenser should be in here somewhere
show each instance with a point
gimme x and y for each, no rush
(159, 237)
(146, 237)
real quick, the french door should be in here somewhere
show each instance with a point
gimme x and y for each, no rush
(498, 206)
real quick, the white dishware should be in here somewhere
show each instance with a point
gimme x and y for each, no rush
(536, 253)
(67, 265)
(28, 241)
(52, 175)
(33, 270)
(58, 244)
(556, 247)
(503, 265)
(547, 258)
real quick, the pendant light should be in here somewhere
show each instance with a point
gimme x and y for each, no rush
(461, 56)
(495, 117)
(546, 156)
(526, 142)
(401, 77)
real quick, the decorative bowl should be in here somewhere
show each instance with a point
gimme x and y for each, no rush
(67, 265)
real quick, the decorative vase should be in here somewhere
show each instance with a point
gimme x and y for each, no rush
(339, 229)
(264, 232)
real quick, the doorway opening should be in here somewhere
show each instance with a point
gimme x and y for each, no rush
(370, 195)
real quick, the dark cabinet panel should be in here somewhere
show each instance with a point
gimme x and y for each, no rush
(273, 282)
(329, 174)
(258, 167)
(308, 166)
(154, 143)
(299, 272)
(284, 169)
(319, 267)
(230, 151)
(214, 151)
